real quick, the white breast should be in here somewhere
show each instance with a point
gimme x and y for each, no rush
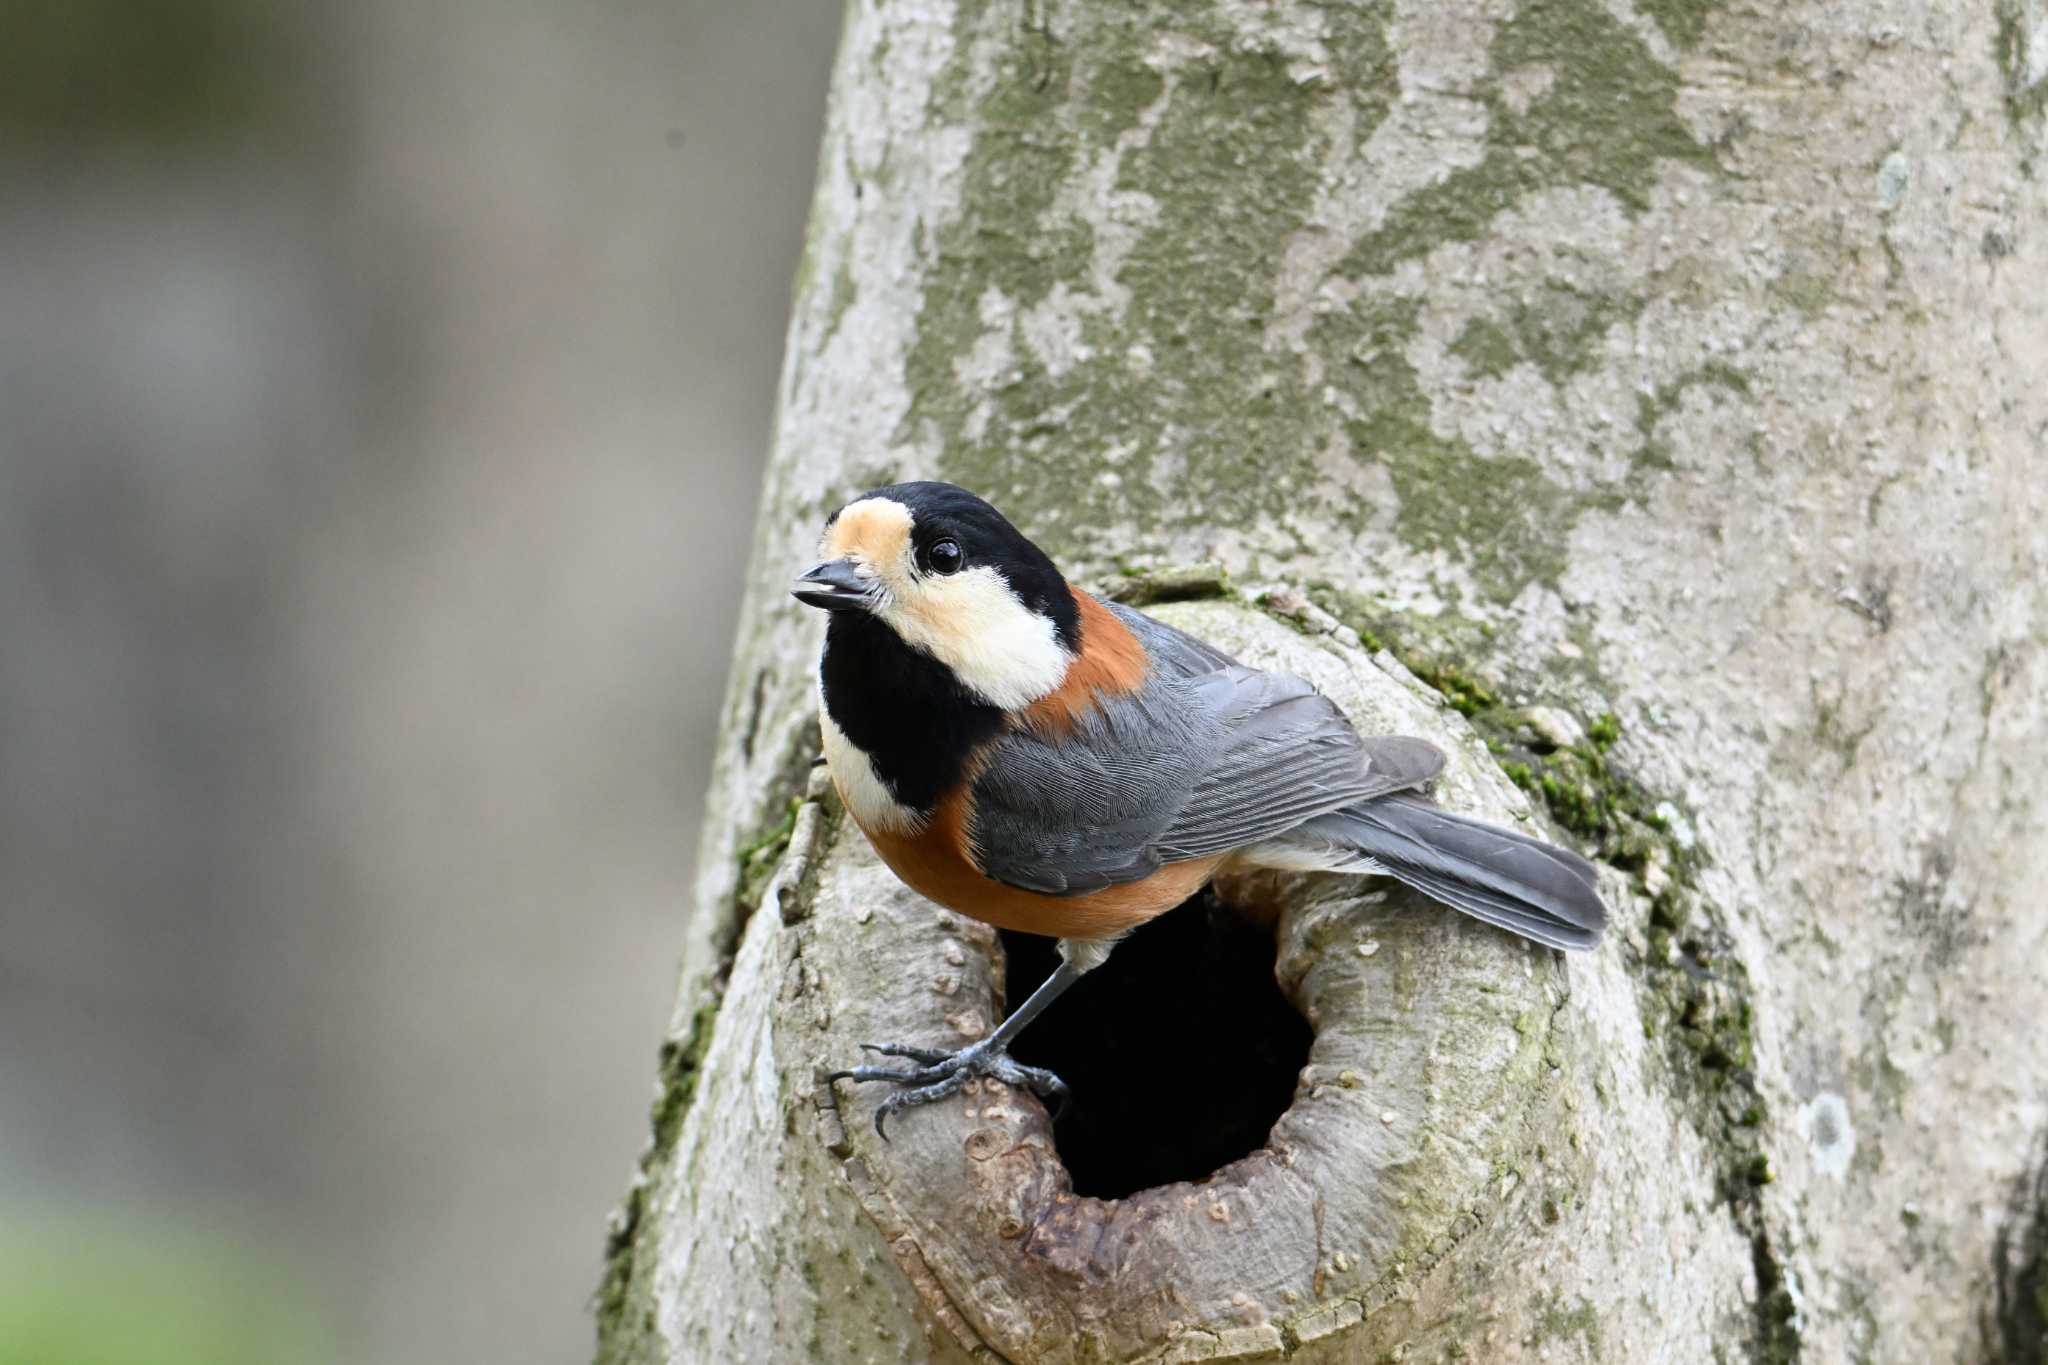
(860, 787)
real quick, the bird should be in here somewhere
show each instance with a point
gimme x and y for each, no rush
(1029, 755)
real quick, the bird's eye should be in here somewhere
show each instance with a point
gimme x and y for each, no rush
(944, 556)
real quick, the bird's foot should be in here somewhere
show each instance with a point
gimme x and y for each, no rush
(939, 1074)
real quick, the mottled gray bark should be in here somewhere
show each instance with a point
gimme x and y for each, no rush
(1662, 385)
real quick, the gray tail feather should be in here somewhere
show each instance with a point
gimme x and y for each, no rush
(1534, 889)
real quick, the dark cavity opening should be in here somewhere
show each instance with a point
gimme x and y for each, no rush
(1180, 1051)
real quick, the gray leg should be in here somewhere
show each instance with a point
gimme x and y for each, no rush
(939, 1074)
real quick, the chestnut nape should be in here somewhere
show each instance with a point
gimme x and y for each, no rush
(1180, 1051)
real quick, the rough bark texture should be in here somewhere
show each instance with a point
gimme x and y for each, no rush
(1661, 384)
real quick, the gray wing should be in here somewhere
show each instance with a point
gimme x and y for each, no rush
(1172, 651)
(1287, 722)
(1290, 756)
(1208, 757)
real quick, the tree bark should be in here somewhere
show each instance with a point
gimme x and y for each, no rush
(1654, 392)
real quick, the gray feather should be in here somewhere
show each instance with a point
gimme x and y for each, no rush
(1174, 652)
(1212, 757)
(1207, 757)
(1504, 877)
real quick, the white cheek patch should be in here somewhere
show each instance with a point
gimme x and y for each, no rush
(863, 790)
(972, 623)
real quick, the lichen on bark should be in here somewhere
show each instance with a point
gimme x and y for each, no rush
(1117, 298)
(1652, 382)
(1694, 991)
(1123, 268)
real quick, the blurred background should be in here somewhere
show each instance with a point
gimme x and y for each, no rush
(384, 388)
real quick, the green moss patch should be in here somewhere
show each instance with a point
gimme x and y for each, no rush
(682, 1059)
(2013, 39)
(1485, 346)
(1167, 393)
(1652, 408)
(1167, 369)
(1694, 991)
(1684, 21)
(624, 1322)
(1558, 329)
(757, 860)
(1609, 117)
(1144, 587)
(1501, 516)
(1555, 1322)
(2016, 1332)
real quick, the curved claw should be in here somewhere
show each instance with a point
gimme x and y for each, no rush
(925, 1094)
(1046, 1086)
(930, 1056)
(940, 1074)
(883, 1073)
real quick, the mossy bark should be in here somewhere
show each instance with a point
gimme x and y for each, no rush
(1659, 386)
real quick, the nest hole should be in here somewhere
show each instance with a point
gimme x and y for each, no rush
(1180, 1052)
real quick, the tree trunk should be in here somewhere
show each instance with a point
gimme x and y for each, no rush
(1654, 390)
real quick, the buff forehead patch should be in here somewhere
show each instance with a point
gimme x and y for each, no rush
(876, 529)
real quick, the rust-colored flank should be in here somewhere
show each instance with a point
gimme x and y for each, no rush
(1111, 661)
(938, 861)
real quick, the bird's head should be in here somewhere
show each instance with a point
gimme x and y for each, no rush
(950, 577)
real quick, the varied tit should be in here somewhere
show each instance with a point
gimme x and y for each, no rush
(1025, 754)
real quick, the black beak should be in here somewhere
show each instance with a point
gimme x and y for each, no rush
(834, 586)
